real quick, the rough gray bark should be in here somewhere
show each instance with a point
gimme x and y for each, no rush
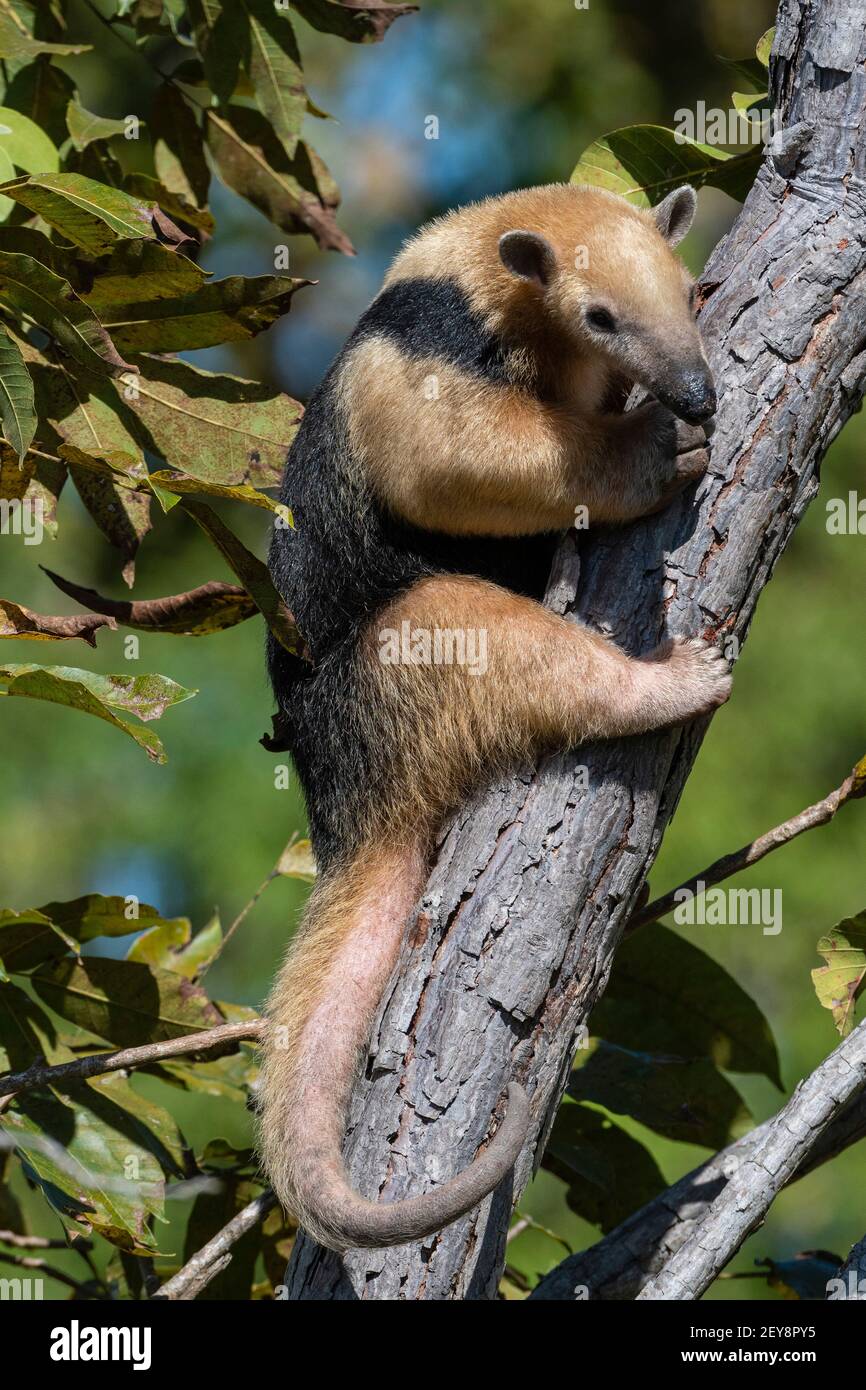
(515, 934)
(621, 1264)
(748, 1196)
(853, 1273)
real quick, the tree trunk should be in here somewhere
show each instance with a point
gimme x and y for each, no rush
(515, 935)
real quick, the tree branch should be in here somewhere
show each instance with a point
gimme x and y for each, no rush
(129, 1057)
(747, 1198)
(208, 1262)
(853, 1273)
(515, 935)
(820, 814)
(623, 1262)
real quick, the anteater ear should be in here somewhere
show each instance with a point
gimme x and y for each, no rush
(675, 214)
(528, 255)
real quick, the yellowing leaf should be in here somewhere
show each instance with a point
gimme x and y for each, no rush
(839, 983)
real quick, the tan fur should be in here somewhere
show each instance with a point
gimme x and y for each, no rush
(482, 459)
(629, 264)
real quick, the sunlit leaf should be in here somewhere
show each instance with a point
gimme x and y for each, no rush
(643, 163)
(27, 146)
(32, 289)
(86, 212)
(221, 311)
(296, 193)
(212, 426)
(839, 983)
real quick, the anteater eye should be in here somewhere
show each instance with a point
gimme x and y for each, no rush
(601, 320)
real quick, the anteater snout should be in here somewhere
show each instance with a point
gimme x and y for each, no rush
(696, 397)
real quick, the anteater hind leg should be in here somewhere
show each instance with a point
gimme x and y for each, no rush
(465, 674)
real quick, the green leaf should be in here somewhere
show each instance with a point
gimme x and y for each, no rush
(210, 608)
(27, 146)
(839, 983)
(219, 31)
(223, 311)
(178, 146)
(43, 933)
(764, 45)
(84, 126)
(223, 1078)
(665, 995)
(80, 1153)
(356, 22)
(86, 212)
(609, 1174)
(175, 204)
(273, 64)
(297, 861)
(685, 1100)
(27, 1034)
(42, 91)
(297, 194)
(185, 486)
(215, 427)
(123, 1002)
(252, 573)
(171, 948)
(643, 163)
(17, 409)
(98, 695)
(32, 289)
(15, 42)
(138, 271)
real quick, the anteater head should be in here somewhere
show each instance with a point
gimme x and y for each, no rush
(603, 275)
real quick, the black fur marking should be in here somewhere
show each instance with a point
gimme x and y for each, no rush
(434, 318)
(348, 557)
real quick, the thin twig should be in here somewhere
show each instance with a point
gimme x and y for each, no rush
(129, 1057)
(820, 814)
(208, 1262)
(31, 1262)
(42, 1243)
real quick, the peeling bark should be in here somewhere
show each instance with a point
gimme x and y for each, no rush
(516, 932)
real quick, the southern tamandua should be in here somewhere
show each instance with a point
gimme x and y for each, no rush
(467, 417)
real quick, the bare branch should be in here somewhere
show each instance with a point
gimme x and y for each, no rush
(208, 1262)
(748, 1196)
(820, 814)
(128, 1058)
(617, 1267)
(43, 1242)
